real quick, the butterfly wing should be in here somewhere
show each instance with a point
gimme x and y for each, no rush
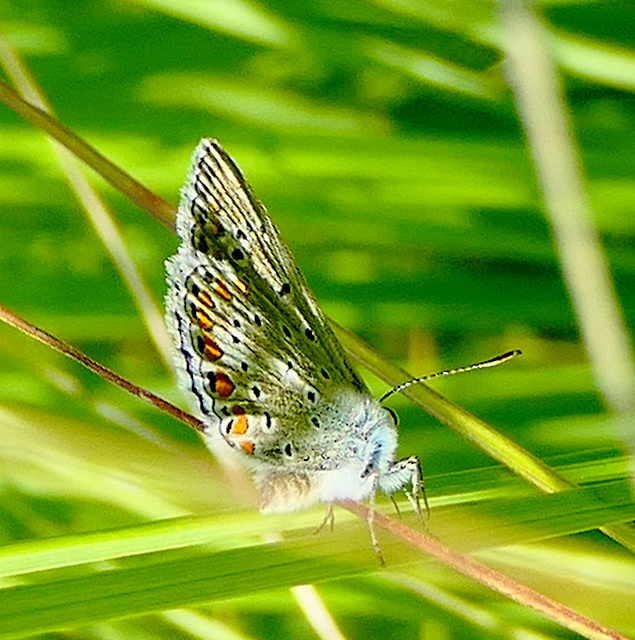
(253, 345)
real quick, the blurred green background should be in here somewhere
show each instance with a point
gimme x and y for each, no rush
(383, 138)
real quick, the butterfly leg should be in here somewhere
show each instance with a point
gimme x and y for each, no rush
(371, 520)
(408, 472)
(329, 519)
(395, 505)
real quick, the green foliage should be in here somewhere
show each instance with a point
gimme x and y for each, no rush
(383, 138)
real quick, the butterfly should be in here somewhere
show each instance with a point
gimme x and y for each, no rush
(270, 380)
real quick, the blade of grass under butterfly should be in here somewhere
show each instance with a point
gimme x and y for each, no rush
(493, 523)
(155, 580)
(160, 581)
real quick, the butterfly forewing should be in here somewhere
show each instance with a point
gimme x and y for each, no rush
(253, 345)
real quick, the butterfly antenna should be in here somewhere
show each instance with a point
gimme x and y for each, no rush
(492, 362)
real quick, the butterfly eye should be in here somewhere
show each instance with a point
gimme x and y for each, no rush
(309, 334)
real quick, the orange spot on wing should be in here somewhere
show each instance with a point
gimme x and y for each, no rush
(223, 385)
(205, 299)
(248, 447)
(242, 286)
(221, 290)
(239, 426)
(211, 350)
(203, 320)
